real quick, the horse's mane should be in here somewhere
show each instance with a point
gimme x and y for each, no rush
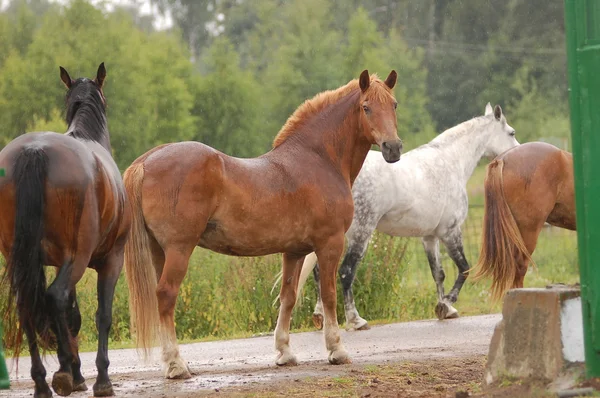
(322, 100)
(454, 133)
(85, 101)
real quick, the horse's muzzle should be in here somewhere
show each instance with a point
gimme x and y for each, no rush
(391, 150)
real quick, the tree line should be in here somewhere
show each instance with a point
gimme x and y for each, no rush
(230, 72)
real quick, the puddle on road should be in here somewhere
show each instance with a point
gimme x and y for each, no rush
(209, 382)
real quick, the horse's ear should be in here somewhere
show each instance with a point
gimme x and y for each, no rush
(488, 109)
(100, 75)
(364, 80)
(66, 79)
(497, 112)
(391, 79)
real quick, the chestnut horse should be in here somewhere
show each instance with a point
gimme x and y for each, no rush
(63, 205)
(525, 187)
(295, 199)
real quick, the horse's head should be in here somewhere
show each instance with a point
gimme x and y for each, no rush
(502, 135)
(378, 114)
(82, 89)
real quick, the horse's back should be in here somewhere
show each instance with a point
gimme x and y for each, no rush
(84, 195)
(69, 161)
(409, 197)
(537, 178)
(220, 201)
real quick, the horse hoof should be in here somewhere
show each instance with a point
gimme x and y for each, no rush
(445, 311)
(43, 394)
(178, 371)
(287, 359)
(103, 390)
(364, 327)
(339, 357)
(360, 325)
(81, 386)
(318, 321)
(62, 383)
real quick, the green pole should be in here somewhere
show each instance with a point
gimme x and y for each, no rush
(4, 379)
(582, 25)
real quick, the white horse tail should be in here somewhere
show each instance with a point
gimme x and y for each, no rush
(309, 264)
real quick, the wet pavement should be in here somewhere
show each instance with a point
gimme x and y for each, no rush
(221, 364)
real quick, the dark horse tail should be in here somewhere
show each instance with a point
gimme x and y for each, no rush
(502, 246)
(25, 269)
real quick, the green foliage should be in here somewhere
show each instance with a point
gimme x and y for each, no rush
(233, 88)
(228, 105)
(305, 61)
(533, 115)
(147, 88)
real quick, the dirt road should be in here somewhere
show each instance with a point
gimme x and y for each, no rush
(223, 366)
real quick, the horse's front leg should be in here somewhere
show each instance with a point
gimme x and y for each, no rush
(292, 265)
(318, 311)
(108, 274)
(329, 256)
(357, 245)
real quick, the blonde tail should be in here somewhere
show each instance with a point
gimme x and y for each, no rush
(139, 267)
(502, 245)
(309, 264)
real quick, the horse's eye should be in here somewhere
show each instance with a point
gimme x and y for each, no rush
(395, 105)
(366, 109)
(512, 133)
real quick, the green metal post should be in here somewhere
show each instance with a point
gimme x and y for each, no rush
(582, 24)
(4, 379)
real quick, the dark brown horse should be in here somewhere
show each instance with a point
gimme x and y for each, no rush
(293, 200)
(525, 187)
(63, 205)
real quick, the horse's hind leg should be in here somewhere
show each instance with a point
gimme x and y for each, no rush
(453, 243)
(176, 265)
(108, 275)
(58, 297)
(74, 321)
(292, 265)
(38, 372)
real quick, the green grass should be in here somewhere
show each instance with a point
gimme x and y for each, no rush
(229, 297)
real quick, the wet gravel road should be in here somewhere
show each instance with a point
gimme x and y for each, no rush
(220, 364)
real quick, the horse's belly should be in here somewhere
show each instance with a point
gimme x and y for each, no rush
(405, 226)
(238, 242)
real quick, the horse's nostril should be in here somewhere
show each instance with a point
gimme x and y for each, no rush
(386, 145)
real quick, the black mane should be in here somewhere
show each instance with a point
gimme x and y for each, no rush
(86, 112)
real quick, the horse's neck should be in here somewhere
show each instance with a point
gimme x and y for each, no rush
(335, 132)
(87, 126)
(464, 145)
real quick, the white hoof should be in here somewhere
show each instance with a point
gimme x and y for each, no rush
(339, 357)
(178, 369)
(286, 359)
(445, 310)
(357, 324)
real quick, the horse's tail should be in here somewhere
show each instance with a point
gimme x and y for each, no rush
(139, 266)
(502, 244)
(309, 264)
(26, 304)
